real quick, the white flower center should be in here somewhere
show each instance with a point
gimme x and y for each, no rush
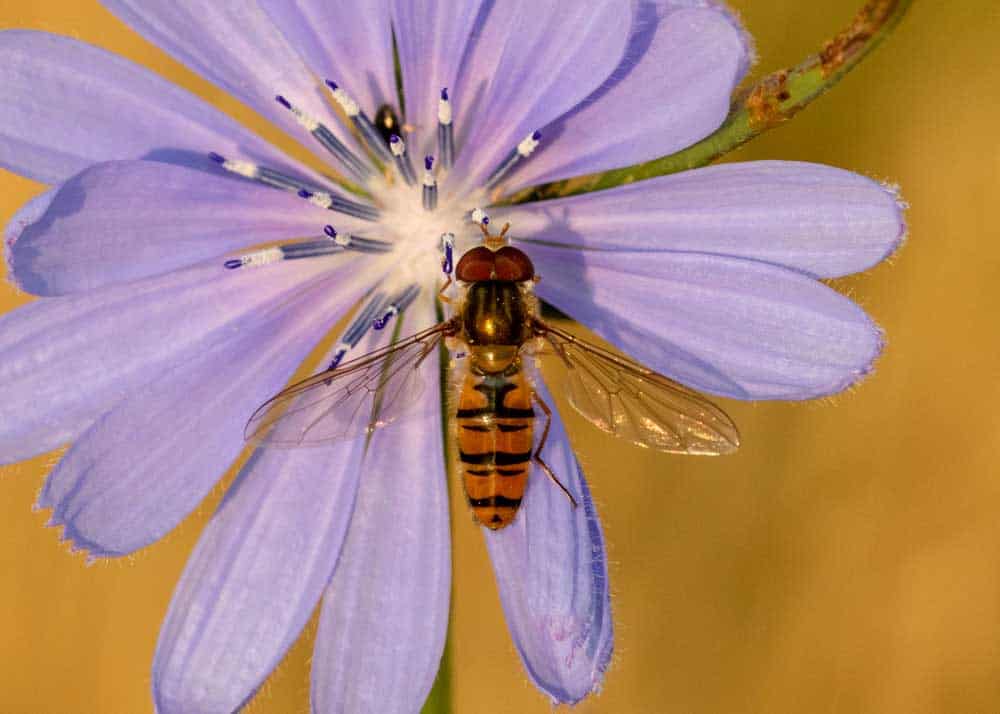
(415, 232)
(408, 218)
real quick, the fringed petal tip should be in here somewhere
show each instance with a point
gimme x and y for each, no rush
(78, 543)
(733, 17)
(867, 368)
(27, 214)
(75, 542)
(902, 206)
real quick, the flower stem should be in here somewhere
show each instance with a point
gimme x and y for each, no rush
(773, 100)
(439, 699)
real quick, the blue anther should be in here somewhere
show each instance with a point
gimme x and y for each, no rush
(536, 135)
(402, 160)
(428, 163)
(329, 230)
(448, 245)
(444, 94)
(233, 264)
(304, 193)
(381, 322)
(217, 158)
(448, 264)
(283, 102)
(337, 357)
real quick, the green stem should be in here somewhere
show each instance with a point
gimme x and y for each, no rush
(771, 101)
(439, 699)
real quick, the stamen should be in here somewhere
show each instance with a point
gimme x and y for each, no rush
(359, 243)
(446, 133)
(261, 174)
(241, 168)
(523, 150)
(400, 303)
(334, 243)
(329, 142)
(403, 165)
(289, 251)
(361, 324)
(360, 120)
(448, 246)
(332, 202)
(430, 185)
(479, 217)
(256, 259)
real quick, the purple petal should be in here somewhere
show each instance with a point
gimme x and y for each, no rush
(235, 45)
(145, 465)
(431, 36)
(121, 221)
(734, 327)
(257, 573)
(817, 219)
(71, 105)
(534, 61)
(348, 41)
(551, 570)
(672, 89)
(255, 577)
(385, 614)
(65, 361)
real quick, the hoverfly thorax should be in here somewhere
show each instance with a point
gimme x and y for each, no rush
(497, 308)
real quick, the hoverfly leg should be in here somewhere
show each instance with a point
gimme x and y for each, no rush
(537, 457)
(441, 296)
(447, 263)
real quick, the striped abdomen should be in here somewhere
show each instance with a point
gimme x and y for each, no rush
(495, 433)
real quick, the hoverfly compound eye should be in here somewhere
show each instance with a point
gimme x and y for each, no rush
(512, 264)
(476, 266)
(506, 265)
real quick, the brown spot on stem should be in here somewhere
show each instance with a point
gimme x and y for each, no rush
(866, 23)
(764, 100)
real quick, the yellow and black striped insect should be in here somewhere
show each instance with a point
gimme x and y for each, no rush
(496, 320)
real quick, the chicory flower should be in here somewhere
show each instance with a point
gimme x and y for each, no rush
(167, 313)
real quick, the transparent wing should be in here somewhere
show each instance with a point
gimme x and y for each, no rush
(624, 398)
(355, 398)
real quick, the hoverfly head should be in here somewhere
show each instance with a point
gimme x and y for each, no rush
(506, 264)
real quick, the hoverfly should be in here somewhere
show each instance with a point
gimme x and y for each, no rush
(496, 319)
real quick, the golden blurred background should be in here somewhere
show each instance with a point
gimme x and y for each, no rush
(846, 560)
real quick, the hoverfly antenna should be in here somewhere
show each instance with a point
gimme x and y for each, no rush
(494, 242)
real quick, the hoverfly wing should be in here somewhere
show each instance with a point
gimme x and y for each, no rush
(632, 402)
(355, 398)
